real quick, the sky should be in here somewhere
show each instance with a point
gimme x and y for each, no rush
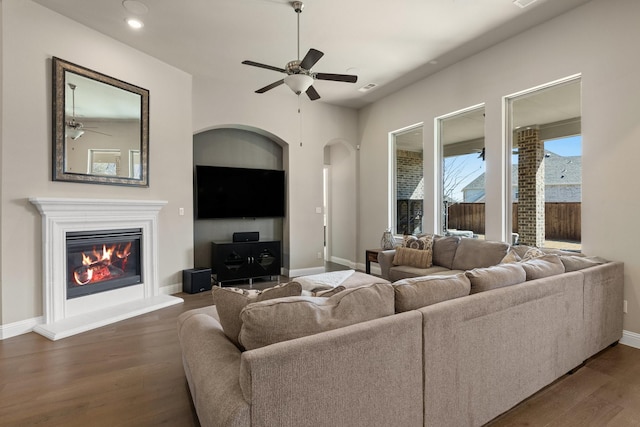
(471, 166)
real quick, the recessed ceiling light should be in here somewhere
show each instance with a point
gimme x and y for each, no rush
(135, 23)
(135, 6)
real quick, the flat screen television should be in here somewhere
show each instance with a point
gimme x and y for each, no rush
(225, 192)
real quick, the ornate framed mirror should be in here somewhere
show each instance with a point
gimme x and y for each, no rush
(100, 128)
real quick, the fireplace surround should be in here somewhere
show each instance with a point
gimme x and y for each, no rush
(63, 217)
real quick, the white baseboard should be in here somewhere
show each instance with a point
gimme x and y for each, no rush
(18, 328)
(631, 339)
(342, 261)
(171, 289)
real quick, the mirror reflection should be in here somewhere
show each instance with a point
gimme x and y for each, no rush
(101, 128)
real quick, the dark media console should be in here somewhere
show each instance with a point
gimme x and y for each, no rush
(245, 260)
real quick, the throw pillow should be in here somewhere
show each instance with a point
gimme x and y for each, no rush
(230, 301)
(422, 242)
(498, 276)
(413, 257)
(544, 266)
(575, 262)
(417, 292)
(510, 257)
(268, 322)
(532, 253)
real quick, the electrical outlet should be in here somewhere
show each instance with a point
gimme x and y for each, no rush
(181, 211)
(624, 306)
(319, 255)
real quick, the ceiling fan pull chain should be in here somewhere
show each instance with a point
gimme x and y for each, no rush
(300, 121)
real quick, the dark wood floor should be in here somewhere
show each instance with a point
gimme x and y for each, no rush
(130, 374)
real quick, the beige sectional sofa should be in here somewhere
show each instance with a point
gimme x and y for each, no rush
(461, 360)
(451, 255)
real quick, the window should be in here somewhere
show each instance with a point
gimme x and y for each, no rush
(407, 181)
(104, 162)
(463, 172)
(546, 170)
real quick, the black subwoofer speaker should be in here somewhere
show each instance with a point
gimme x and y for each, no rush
(196, 280)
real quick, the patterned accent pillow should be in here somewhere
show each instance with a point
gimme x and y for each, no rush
(413, 257)
(424, 242)
(511, 257)
(532, 253)
(229, 303)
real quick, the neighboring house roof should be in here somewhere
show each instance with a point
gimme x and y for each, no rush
(558, 170)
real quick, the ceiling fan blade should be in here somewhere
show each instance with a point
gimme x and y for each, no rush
(312, 93)
(271, 86)
(268, 67)
(347, 78)
(95, 131)
(311, 58)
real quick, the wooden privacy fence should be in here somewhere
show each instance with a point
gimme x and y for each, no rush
(562, 220)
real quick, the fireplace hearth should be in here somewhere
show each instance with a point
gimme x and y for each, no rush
(103, 260)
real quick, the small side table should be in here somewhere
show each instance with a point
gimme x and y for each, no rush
(371, 255)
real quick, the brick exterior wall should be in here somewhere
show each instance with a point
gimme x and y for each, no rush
(410, 192)
(410, 184)
(530, 187)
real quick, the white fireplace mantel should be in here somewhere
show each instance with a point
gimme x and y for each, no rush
(63, 317)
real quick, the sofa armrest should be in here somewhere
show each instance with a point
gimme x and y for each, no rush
(385, 259)
(603, 300)
(212, 366)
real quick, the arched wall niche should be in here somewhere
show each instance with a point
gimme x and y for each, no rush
(340, 168)
(235, 145)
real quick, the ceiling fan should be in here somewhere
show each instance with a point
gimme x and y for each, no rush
(299, 77)
(76, 129)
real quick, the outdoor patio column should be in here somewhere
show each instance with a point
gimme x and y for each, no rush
(530, 187)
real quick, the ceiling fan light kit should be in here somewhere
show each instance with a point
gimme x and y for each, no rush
(75, 133)
(298, 83)
(299, 77)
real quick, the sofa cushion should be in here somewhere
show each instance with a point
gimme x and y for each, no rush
(269, 322)
(497, 276)
(544, 266)
(400, 272)
(326, 293)
(476, 253)
(231, 301)
(444, 249)
(413, 257)
(577, 262)
(416, 292)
